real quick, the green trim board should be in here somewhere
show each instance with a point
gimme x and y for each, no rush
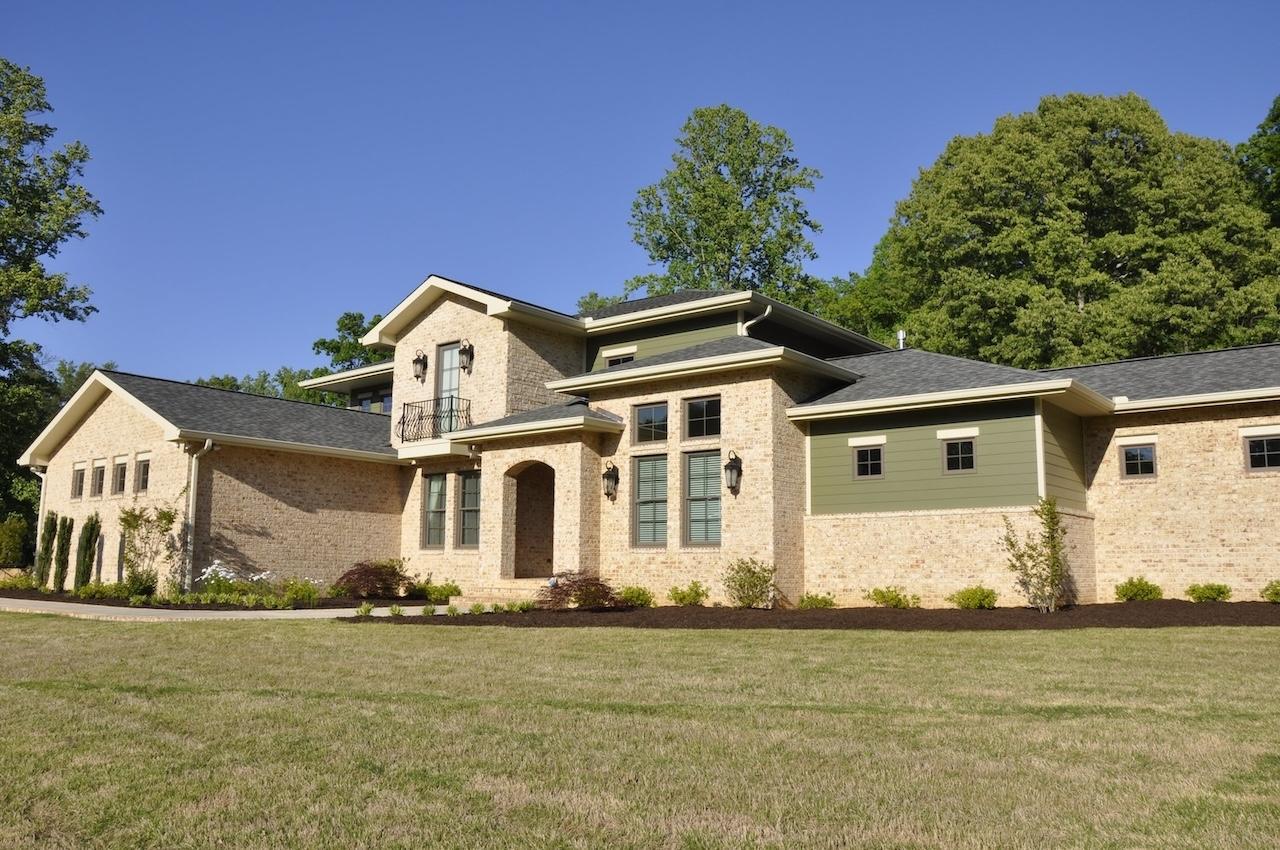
(672, 336)
(1064, 469)
(913, 476)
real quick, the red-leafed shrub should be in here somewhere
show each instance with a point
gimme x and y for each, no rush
(376, 579)
(578, 591)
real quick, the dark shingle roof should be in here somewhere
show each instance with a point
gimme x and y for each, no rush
(218, 411)
(1228, 369)
(576, 406)
(910, 371)
(714, 348)
(681, 296)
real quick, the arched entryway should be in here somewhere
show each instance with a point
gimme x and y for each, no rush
(535, 500)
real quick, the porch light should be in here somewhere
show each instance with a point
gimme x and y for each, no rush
(610, 479)
(733, 472)
(466, 356)
(420, 365)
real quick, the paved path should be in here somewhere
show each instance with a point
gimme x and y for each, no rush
(164, 615)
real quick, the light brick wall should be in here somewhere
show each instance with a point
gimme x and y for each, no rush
(535, 357)
(449, 562)
(295, 514)
(1203, 518)
(115, 427)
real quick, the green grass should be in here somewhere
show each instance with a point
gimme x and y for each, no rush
(320, 734)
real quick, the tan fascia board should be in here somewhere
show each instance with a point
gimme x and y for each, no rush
(181, 435)
(77, 407)
(1197, 400)
(777, 355)
(349, 375)
(432, 448)
(1082, 400)
(521, 429)
(659, 314)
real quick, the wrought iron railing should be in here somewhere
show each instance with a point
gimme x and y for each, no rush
(426, 420)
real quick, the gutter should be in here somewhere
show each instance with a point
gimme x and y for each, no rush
(41, 472)
(193, 481)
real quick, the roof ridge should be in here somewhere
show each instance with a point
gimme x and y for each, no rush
(1161, 356)
(240, 392)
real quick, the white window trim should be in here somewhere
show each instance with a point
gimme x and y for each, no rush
(1136, 440)
(1261, 431)
(863, 442)
(80, 464)
(620, 351)
(957, 433)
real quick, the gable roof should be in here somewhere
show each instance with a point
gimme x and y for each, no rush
(681, 296)
(191, 412)
(1226, 370)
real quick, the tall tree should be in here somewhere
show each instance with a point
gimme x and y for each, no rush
(1260, 159)
(727, 214)
(282, 383)
(70, 376)
(1082, 231)
(345, 351)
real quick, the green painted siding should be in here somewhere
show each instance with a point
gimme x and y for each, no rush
(1064, 473)
(1005, 452)
(660, 339)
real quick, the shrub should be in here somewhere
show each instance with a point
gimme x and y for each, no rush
(478, 608)
(694, 594)
(395, 611)
(44, 554)
(1208, 593)
(636, 597)
(138, 600)
(749, 583)
(147, 538)
(1138, 589)
(578, 590)
(62, 553)
(300, 593)
(25, 581)
(13, 540)
(452, 611)
(1039, 562)
(378, 579)
(810, 601)
(364, 609)
(436, 594)
(891, 597)
(522, 607)
(974, 598)
(87, 551)
(1271, 592)
(97, 590)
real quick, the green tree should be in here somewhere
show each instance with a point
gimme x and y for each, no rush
(282, 383)
(70, 376)
(62, 554)
(594, 302)
(1260, 159)
(87, 551)
(345, 351)
(1082, 231)
(727, 214)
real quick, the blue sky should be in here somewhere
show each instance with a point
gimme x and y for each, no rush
(265, 167)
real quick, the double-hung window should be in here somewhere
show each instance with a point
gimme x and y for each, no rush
(141, 473)
(119, 471)
(651, 500)
(702, 417)
(433, 491)
(97, 478)
(77, 481)
(651, 423)
(702, 498)
(469, 509)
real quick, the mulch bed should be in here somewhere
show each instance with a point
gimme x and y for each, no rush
(334, 602)
(1126, 615)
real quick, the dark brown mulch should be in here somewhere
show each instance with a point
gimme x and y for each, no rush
(332, 602)
(1129, 615)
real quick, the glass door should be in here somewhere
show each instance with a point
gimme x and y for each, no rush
(447, 387)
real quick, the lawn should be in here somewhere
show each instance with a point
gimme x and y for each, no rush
(324, 734)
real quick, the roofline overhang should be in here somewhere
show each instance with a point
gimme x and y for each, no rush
(521, 429)
(1124, 405)
(349, 376)
(775, 355)
(182, 435)
(1067, 392)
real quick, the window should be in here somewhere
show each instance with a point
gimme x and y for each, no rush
(97, 479)
(386, 402)
(1263, 452)
(651, 500)
(958, 455)
(702, 498)
(702, 417)
(118, 472)
(469, 509)
(1138, 461)
(651, 423)
(141, 474)
(433, 512)
(618, 361)
(77, 482)
(868, 462)
(366, 403)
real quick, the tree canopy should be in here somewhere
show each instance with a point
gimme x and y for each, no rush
(282, 383)
(1260, 159)
(1079, 232)
(345, 351)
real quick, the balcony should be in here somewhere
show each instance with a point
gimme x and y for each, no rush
(433, 418)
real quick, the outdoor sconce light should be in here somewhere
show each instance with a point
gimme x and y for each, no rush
(466, 356)
(420, 365)
(733, 472)
(610, 479)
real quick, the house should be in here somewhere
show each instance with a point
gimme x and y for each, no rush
(656, 440)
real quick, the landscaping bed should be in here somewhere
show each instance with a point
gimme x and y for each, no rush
(324, 602)
(1130, 615)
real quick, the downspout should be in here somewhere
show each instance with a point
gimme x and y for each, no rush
(193, 480)
(40, 472)
(746, 326)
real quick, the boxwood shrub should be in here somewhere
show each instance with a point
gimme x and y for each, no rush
(1271, 592)
(1138, 589)
(891, 597)
(974, 598)
(1209, 592)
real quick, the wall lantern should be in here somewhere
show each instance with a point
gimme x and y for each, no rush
(466, 356)
(733, 472)
(420, 365)
(610, 479)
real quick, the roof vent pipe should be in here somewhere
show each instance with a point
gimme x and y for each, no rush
(746, 326)
(902, 339)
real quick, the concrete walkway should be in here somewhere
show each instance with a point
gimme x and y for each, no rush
(166, 615)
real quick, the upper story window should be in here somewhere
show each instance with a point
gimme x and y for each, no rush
(97, 478)
(618, 355)
(77, 481)
(651, 422)
(386, 401)
(868, 462)
(1138, 461)
(119, 471)
(619, 360)
(702, 417)
(1263, 452)
(958, 455)
(141, 473)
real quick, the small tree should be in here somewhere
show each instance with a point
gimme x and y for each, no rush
(87, 551)
(148, 536)
(44, 556)
(13, 537)
(749, 583)
(1040, 561)
(62, 553)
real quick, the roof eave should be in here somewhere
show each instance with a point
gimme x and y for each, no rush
(1124, 405)
(521, 429)
(349, 377)
(1073, 395)
(182, 435)
(701, 365)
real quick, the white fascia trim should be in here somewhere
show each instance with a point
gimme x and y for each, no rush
(283, 446)
(1198, 400)
(386, 332)
(1042, 487)
(519, 429)
(718, 363)
(1261, 430)
(349, 375)
(620, 351)
(957, 433)
(947, 398)
(432, 448)
(830, 327)
(859, 442)
(654, 314)
(1136, 440)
